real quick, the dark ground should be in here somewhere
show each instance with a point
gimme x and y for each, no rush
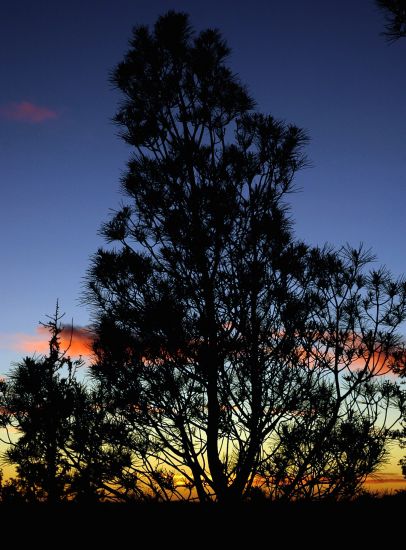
(367, 522)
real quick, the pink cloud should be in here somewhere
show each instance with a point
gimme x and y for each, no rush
(76, 340)
(24, 111)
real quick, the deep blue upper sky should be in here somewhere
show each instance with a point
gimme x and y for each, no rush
(321, 65)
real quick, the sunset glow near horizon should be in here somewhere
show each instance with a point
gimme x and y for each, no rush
(321, 65)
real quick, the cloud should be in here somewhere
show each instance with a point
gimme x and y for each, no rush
(25, 111)
(353, 353)
(386, 478)
(76, 340)
(383, 481)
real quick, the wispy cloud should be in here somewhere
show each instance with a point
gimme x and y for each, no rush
(386, 478)
(25, 111)
(76, 340)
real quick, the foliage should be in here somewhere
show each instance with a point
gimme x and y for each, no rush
(59, 438)
(233, 355)
(395, 12)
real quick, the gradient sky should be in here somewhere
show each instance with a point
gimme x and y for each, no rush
(321, 65)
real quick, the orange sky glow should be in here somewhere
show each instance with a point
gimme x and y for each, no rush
(76, 340)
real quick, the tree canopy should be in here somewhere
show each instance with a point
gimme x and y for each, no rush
(236, 356)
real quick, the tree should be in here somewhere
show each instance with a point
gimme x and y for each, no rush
(59, 438)
(37, 402)
(236, 356)
(395, 12)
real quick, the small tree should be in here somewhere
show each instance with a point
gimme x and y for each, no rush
(66, 442)
(37, 402)
(234, 355)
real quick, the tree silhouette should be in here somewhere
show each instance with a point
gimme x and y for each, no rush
(349, 344)
(64, 445)
(395, 11)
(37, 401)
(236, 356)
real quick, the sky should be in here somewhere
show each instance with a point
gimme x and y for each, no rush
(323, 66)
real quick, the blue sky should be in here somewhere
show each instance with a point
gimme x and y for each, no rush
(321, 65)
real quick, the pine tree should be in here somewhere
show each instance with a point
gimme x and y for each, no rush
(221, 340)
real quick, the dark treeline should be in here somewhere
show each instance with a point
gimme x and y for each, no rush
(232, 362)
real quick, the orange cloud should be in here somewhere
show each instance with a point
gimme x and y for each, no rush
(385, 478)
(76, 340)
(351, 354)
(385, 482)
(25, 111)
